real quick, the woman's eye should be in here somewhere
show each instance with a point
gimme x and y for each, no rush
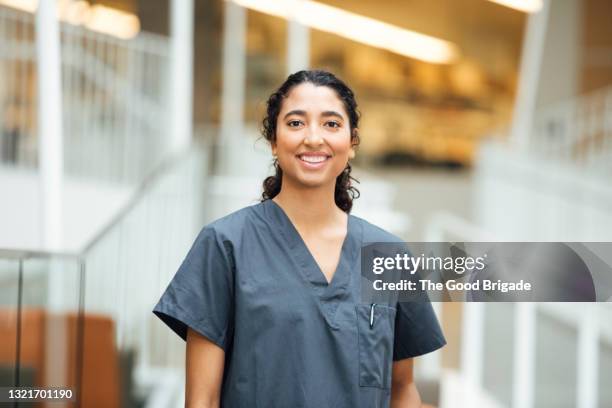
(293, 123)
(333, 124)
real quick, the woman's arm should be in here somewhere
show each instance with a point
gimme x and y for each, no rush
(204, 369)
(404, 393)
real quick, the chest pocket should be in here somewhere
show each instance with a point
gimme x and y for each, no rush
(375, 331)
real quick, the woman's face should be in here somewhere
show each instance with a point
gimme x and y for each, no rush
(313, 136)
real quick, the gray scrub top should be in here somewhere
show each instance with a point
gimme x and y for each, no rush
(251, 286)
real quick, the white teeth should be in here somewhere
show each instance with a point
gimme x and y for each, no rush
(313, 159)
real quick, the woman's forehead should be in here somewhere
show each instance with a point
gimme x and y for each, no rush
(312, 99)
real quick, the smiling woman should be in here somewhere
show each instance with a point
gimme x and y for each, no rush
(319, 109)
(269, 297)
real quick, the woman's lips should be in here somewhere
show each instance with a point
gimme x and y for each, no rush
(313, 161)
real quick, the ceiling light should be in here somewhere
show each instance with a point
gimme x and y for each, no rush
(23, 5)
(359, 28)
(75, 12)
(111, 21)
(98, 18)
(528, 6)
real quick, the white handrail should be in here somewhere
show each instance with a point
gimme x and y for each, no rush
(591, 327)
(577, 130)
(114, 95)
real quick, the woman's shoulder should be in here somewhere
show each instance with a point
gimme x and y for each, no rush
(374, 233)
(234, 224)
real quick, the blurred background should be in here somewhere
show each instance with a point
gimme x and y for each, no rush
(126, 125)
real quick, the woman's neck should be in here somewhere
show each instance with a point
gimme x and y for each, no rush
(310, 208)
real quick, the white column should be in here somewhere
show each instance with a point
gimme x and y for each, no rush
(181, 73)
(50, 143)
(298, 46)
(234, 70)
(50, 166)
(235, 150)
(561, 60)
(472, 350)
(588, 357)
(524, 355)
(529, 74)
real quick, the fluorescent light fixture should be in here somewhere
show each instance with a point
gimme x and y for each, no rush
(113, 22)
(358, 28)
(23, 5)
(528, 6)
(98, 18)
(74, 12)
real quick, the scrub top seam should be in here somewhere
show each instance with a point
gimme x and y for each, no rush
(306, 261)
(297, 245)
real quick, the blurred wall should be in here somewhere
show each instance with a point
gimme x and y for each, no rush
(88, 206)
(207, 61)
(154, 15)
(561, 54)
(208, 32)
(597, 45)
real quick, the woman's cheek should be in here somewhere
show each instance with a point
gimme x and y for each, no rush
(340, 164)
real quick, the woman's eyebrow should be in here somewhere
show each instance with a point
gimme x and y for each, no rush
(300, 112)
(295, 112)
(332, 113)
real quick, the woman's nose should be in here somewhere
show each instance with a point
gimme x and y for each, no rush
(312, 136)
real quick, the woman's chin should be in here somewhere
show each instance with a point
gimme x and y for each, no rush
(310, 181)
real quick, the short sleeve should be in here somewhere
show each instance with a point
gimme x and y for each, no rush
(417, 330)
(200, 295)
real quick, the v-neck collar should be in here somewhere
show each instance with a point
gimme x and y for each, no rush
(309, 267)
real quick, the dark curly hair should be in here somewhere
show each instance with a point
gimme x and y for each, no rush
(345, 193)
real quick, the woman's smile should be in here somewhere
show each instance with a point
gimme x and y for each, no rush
(313, 160)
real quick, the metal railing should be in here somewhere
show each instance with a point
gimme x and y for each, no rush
(556, 189)
(119, 274)
(527, 354)
(115, 99)
(578, 130)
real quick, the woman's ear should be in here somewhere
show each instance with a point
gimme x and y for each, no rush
(354, 143)
(273, 145)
